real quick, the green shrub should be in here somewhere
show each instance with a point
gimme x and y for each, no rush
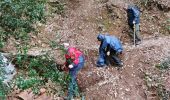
(18, 16)
(46, 67)
(37, 73)
(57, 7)
(163, 93)
(164, 64)
(3, 90)
(23, 83)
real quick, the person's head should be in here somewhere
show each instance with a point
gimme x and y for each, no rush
(66, 45)
(100, 37)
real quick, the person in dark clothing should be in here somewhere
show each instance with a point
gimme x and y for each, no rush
(110, 46)
(133, 14)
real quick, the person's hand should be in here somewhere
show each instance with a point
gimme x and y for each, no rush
(134, 22)
(118, 53)
(108, 53)
(70, 66)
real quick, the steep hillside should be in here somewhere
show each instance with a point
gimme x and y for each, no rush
(80, 23)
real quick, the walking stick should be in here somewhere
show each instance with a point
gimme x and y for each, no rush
(134, 34)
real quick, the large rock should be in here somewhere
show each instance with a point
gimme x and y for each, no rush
(7, 69)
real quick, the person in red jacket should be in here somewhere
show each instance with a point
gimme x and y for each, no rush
(74, 61)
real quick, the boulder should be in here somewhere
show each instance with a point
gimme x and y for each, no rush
(7, 69)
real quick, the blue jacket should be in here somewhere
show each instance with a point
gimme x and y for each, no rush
(111, 41)
(133, 15)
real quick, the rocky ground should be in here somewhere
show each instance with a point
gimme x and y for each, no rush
(80, 26)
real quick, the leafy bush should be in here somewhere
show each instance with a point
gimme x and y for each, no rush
(23, 83)
(38, 71)
(144, 2)
(164, 64)
(2, 86)
(163, 93)
(3, 90)
(57, 7)
(47, 68)
(18, 16)
(17, 19)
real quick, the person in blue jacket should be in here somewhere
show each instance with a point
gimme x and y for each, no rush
(133, 14)
(110, 46)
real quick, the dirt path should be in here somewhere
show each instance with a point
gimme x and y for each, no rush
(80, 29)
(80, 24)
(127, 83)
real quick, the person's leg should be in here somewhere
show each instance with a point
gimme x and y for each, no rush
(72, 82)
(76, 70)
(76, 87)
(107, 61)
(116, 59)
(131, 31)
(137, 31)
(102, 59)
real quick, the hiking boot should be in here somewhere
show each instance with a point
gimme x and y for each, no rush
(120, 64)
(138, 42)
(101, 65)
(67, 98)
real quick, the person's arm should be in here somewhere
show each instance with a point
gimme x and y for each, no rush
(73, 60)
(103, 46)
(69, 59)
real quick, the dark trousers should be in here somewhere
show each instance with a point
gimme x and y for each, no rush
(106, 60)
(114, 57)
(73, 86)
(136, 32)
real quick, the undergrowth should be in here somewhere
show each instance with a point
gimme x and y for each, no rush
(38, 71)
(155, 80)
(17, 20)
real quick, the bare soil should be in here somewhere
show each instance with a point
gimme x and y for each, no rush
(80, 26)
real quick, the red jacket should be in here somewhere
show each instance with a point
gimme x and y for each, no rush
(73, 54)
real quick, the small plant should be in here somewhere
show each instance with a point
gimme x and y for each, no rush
(168, 25)
(144, 2)
(23, 83)
(164, 64)
(3, 90)
(163, 93)
(57, 7)
(155, 81)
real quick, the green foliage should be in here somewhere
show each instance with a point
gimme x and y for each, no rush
(47, 68)
(155, 84)
(168, 24)
(3, 90)
(18, 16)
(163, 93)
(53, 44)
(23, 83)
(164, 64)
(2, 71)
(144, 2)
(155, 80)
(17, 19)
(39, 71)
(3, 87)
(57, 7)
